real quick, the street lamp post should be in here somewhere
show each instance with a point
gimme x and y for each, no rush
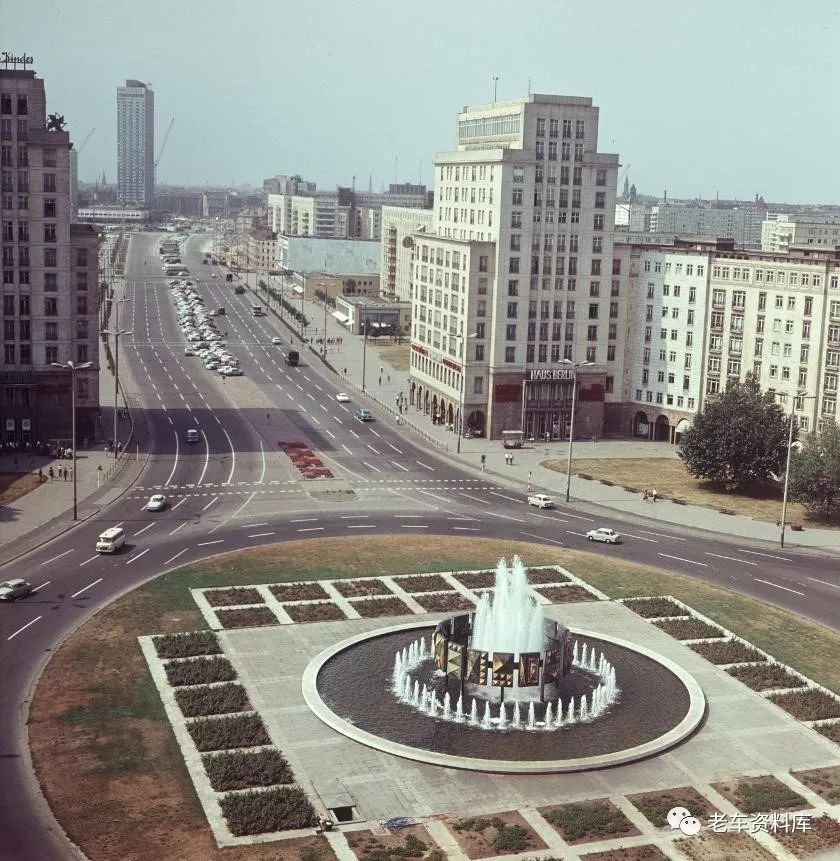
(73, 367)
(324, 339)
(797, 396)
(302, 297)
(364, 345)
(574, 365)
(116, 332)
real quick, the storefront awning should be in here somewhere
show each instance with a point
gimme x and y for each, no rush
(297, 288)
(342, 318)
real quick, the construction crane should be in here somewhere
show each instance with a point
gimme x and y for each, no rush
(84, 142)
(165, 139)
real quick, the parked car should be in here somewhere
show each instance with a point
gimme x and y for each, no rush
(188, 351)
(276, 341)
(343, 398)
(540, 500)
(364, 415)
(604, 535)
(156, 503)
(11, 590)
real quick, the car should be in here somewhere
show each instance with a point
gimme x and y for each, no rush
(364, 415)
(233, 371)
(540, 500)
(343, 398)
(188, 351)
(11, 590)
(192, 435)
(213, 274)
(276, 341)
(156, 502)
(604, 534)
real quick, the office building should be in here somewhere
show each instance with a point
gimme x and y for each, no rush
(50, 274)
(783, 231)
(136, 144)
(398, 226)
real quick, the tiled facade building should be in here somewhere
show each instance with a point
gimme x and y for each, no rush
(50, 274)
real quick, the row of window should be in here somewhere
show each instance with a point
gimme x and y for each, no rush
(466, 172)
(23, 305)
(680, 401)
(554, 128)
(7, 127)
(50, 279)
(23, 328)
(19, 101)
(22, 355)
(7, 181)
(548, 174)
(50, 232)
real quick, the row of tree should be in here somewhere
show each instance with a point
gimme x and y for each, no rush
(740, 442)
(292, 310)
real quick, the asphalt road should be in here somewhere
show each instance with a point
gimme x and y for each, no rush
(235, 489)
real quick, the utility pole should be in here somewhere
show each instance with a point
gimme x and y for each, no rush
(574, 365)
(72, 367)
(116, 332)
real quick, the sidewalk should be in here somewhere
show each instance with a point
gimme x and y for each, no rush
(384, 385)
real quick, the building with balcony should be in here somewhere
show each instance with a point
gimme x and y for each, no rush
(50, 274)
(397, 243)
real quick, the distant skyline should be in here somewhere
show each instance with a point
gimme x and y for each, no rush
(697, 99)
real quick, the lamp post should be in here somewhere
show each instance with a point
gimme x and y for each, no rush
(324, 339)
(364, 344)
(73, 367)
(302, 297)
(574, 365)
(116, 332)
(798, 396)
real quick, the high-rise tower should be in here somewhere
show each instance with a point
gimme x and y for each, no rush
(136, 143)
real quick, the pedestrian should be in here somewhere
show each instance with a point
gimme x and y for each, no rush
(64, 473)
(484, 463)
(645, 495)
(380, 381)
(511, 458)
(389, 379)
(51, 473)
(344, 373)
(71, 472)
(653, 494)
(40, 475)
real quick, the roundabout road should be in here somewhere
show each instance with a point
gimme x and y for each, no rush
(233, 491)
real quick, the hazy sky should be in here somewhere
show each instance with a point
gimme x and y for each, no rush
(697, 98)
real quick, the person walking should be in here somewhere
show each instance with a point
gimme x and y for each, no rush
(484, 463)
(653, 494)
(40, 475)
(645, 495)
(64, 472)
(51, 473)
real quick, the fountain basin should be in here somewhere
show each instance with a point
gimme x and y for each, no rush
(348, 686)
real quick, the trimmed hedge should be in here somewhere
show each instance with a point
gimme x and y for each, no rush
(273, 810)
(215, 700)
(232, 596)
(241, 770)
(299, 591)
(225, 733)
(689, 629)
(811, 704)
(729, 652)
(187, 645)
(766, 676)
(247, 617)
(201, 671)
(422, 583)
(651, 608)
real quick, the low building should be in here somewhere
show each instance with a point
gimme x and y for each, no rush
(112, 215)
(373, 315)
(260, 250)
(330, 256)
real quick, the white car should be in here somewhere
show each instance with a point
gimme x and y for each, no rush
(233, 371)
(14, 589)
(276, 341)
(540, 500)
(156, 503)
(343, 398)
(604, 534)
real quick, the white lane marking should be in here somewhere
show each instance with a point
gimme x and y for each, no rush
(777, 586)
(312, 529)
(330, 434)
(371, 466)
(354, 516)
(578, 516)
(506, 516)
(362, 526)
(41, 586)
(252, 525)
(346, 449)
(20, 630)
(503, 496)
(732, 559)
(178, 527)
(180, 503)
(639, 538)
(214, 499)
(662, 535)
(825, 583)
(179, 553)
(89, 586)
(373, 449)
(304, 520)
(473, 519)
(466, 529)
(400, 466)
(426, 466)
(57, 557)
(143, 529)
(547, 517)
(395, 448)
(81, 564)
(135, 558)
(433, 495)
(236, 513)
(680, 559)
(375, 433)
(543, 538)
(766, 555)
(260, 534)
(207, 543)
(474, 498)
(413, 526)
(206, 458)
(262, 454)
(175, 464)
(233, 456)
(579, 534)
(354, 433)
(409, 516)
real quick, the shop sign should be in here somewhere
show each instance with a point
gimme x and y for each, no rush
(549, 374)
(10, 424)
(26, 424)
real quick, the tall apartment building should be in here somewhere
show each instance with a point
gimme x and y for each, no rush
(398, 225)
(136, 144)
(704, 313)
(517, 273)
(50, 268)
(782, 232)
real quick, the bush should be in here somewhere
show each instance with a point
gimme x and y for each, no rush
(477, 579)
(765, 677)
(589, 819)
(215, 700)
(510, 838)
(228, 732)
(766, 794)
(689, 629)
(241, 770)
(444, 602)
(812, 704)
(247, 617)
(422, 583)
(273, 810)
(324, 611)
(830, 731)
(361, 588)
(229, 597)
(187, 645)
(200, 671)
(376, 607)
(729, 652)
(652, 608)
(541, 577)
(298, 591)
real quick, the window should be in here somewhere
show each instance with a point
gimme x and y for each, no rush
(50, 331)
(50, 233)
(478, 385)
(50, 306)
(591, 333)
(516, 197)
(510, 354)
(49, 182)
(540, 150)
(600, 176)
(50, 257)
(479, 330)
(540, 127)
(511, 310)
(50, 281)
(479, 352)
(598, 223)
(600, 199)
(513, 265)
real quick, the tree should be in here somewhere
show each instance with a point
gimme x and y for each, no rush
(815, 472)
(739, 439)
